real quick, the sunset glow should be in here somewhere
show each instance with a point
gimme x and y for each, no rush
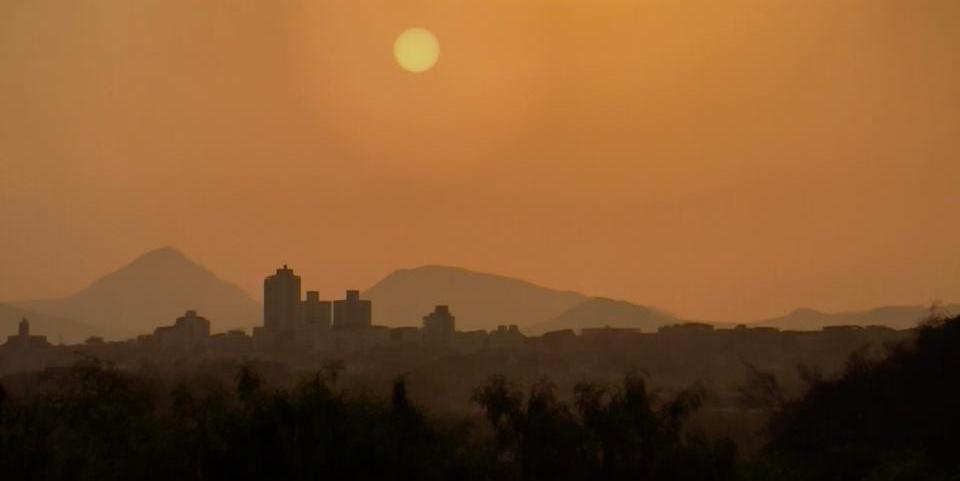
(416, 50)
(726, 160)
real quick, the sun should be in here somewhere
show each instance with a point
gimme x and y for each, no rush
(416, 50)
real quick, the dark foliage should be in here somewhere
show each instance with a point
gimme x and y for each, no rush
(93, 422)
(611, 433)
(888, 419)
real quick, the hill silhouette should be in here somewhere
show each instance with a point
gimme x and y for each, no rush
(896, 317)
(478, 300)
(160, 285)
(152, 291)
(600, 312)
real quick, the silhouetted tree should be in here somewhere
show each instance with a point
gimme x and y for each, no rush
(761, 390)
(894, 418)
(248, 383)
(614, 433)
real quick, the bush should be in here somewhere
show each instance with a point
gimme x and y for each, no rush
(890, 419)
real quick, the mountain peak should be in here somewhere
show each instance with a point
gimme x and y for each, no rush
(606, 312)
(479, 300)
(439, 269)
(152, 290)
(444, 274)
(162, 255)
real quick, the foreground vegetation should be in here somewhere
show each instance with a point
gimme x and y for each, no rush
(891, 419)
(881, 420)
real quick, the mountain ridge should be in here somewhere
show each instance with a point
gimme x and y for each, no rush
(479, 300)
(157, 286)
(149, 291)
(895, 316)
(607, 312)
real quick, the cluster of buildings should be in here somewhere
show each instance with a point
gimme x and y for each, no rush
(293, 324)
(303, 327)
(285, 312)
(292, 320)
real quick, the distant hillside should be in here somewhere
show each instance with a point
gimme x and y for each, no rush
(151, 291)
(479, 301)
(600, 312)
(897, 317)
(55, 328)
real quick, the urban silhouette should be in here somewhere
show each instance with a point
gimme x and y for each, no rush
(320, 391)
(497, 240)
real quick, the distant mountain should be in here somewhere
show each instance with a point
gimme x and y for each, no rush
(478, 300)
(55, 328)
(601, 312)
(897, 317)
(152, 291)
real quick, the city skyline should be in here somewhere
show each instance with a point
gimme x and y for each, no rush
(258, 295)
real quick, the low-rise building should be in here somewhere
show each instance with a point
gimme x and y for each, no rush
(190, 331)
(439, 326)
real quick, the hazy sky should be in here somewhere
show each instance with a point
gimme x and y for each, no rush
(719, 159)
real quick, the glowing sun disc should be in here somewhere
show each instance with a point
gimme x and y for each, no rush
(416, 50)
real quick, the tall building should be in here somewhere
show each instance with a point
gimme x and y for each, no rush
(352, 312)
(315, 313)
(23, 337)
(439, 325)
(25, 352)
(281, 300)
(289, 321)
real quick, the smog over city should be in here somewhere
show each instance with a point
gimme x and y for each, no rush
(495, 240)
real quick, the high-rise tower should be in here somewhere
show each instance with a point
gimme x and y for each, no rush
(281, 300)
(352, 312)
(314, 313)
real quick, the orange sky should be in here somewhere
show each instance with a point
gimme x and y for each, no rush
(722, 160)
